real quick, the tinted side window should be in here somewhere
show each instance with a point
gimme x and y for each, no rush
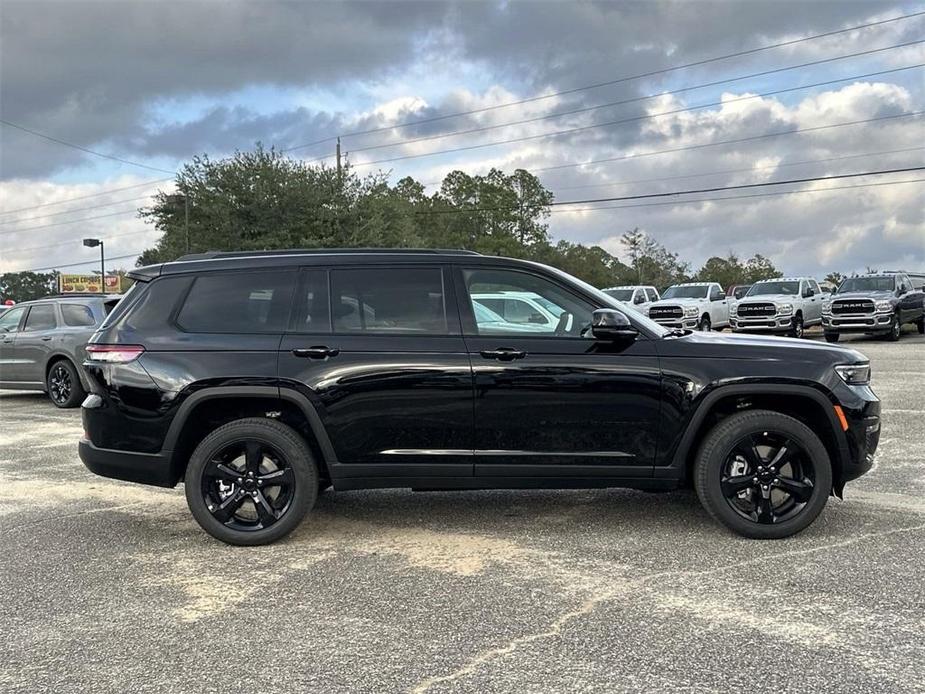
(238, 302)
(77, 315)
(651, 294)
(389, 300)
(311, 312)
(716, 294)
(557, 312)
(41, 317)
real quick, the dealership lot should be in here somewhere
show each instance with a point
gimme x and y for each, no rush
(109, 586)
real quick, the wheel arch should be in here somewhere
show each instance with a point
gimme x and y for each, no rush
(209, 408)
(54, 357)
(805, 403)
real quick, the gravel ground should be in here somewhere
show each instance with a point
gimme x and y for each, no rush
(111, 587)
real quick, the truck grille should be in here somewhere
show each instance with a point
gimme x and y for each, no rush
(749, 310)
(853, 306)
(663, 312)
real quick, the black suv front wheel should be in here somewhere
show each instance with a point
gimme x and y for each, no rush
(763, 474)
(63, 385)
(251, 481)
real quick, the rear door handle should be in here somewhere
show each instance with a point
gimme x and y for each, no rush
(46, 338)
(319, 352)
(503, 354)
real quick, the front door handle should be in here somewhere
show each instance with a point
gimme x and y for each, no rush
(46, 338)
(503, 354)
(318, 352)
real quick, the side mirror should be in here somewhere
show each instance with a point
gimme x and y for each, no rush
(901, 291)
(639, 299)
(808, 293)
(609, 324)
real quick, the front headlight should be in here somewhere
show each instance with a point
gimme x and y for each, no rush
(854, 374)
(690, 311)
(883, 306)
(784, 309)
(826, 306)
(734, 309)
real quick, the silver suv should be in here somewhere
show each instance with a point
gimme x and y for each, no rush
(783, 305)
(42, 344)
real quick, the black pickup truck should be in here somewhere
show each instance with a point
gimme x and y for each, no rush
(877, 304)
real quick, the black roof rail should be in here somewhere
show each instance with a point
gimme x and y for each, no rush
(211, 255)
(78, 295)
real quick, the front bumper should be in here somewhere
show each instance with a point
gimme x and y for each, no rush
(766, 324)
(866, 323)
(862, 414)
(684, 323)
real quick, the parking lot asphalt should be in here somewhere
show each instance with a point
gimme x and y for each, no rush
(111, 587)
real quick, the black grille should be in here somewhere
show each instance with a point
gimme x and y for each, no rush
(852, 306)
(749, 310)
(665, 312)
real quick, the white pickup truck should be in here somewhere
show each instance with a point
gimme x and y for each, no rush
(637, 297)
(784, 305)
(695, 305)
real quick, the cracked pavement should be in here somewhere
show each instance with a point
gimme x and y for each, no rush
(111, 587)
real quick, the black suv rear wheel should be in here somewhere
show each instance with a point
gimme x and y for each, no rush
(763, 474)
(63, 385)
(251, 481)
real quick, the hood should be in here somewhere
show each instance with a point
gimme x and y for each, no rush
(678, 302)
(772, 298)
(763, 347)
(876, 296)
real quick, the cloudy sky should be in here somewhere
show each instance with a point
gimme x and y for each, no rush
(149, 84)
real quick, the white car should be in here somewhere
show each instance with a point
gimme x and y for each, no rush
(783, 305)
(637, 297)
(524, 308)
(692, 306)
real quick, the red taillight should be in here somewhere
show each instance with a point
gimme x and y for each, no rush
(114, 354)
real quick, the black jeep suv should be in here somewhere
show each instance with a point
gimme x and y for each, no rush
(262, 379)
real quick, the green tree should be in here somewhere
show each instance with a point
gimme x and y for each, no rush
(834, 278)
(26, 286)
(727, 271)
(652, 263)
(759, 268)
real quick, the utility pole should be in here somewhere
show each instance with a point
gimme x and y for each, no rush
(339, 171)
(186, 219)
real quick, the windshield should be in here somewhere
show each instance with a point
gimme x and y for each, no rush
(790, 288)
(609, 301)
(619, 294)
(692, 291)
(866, 284)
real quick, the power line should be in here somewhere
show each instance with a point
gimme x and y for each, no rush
(743, 170)
(57, 245)
(751, 138)
(71, 221)
(84, 197)
(621, 102)
(675, 193)
(88, 262)
(619, 80)
(82, 149)
(569, 131)
(739, 197)
(79, 209)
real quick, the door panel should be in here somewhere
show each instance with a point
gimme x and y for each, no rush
(11, 368)
(560, 403)
(392, 395)
(36, 341)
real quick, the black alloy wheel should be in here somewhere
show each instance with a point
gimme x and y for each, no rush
(251, 481)
(767, 477)
(63, 385)
(763, 474)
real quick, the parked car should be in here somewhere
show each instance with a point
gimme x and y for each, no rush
(784, 305)
(737, 291)
(247, 376)
(876, 304)
(42, 344)
(695, 305)
(637, 297)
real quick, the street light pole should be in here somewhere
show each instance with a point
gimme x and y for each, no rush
(93, 243)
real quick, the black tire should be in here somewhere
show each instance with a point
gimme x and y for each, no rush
(920, 324)
(796, 330)
(704, 325)
(807, 460)
(63, 386)
(226, 458)
(896, 330)
(831, 337)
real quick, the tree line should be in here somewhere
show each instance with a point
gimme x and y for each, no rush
(262, 200)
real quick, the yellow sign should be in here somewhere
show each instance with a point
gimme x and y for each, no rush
(81, 284)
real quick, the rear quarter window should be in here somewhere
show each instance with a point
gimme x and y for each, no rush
(77, 316)
(238, 302)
